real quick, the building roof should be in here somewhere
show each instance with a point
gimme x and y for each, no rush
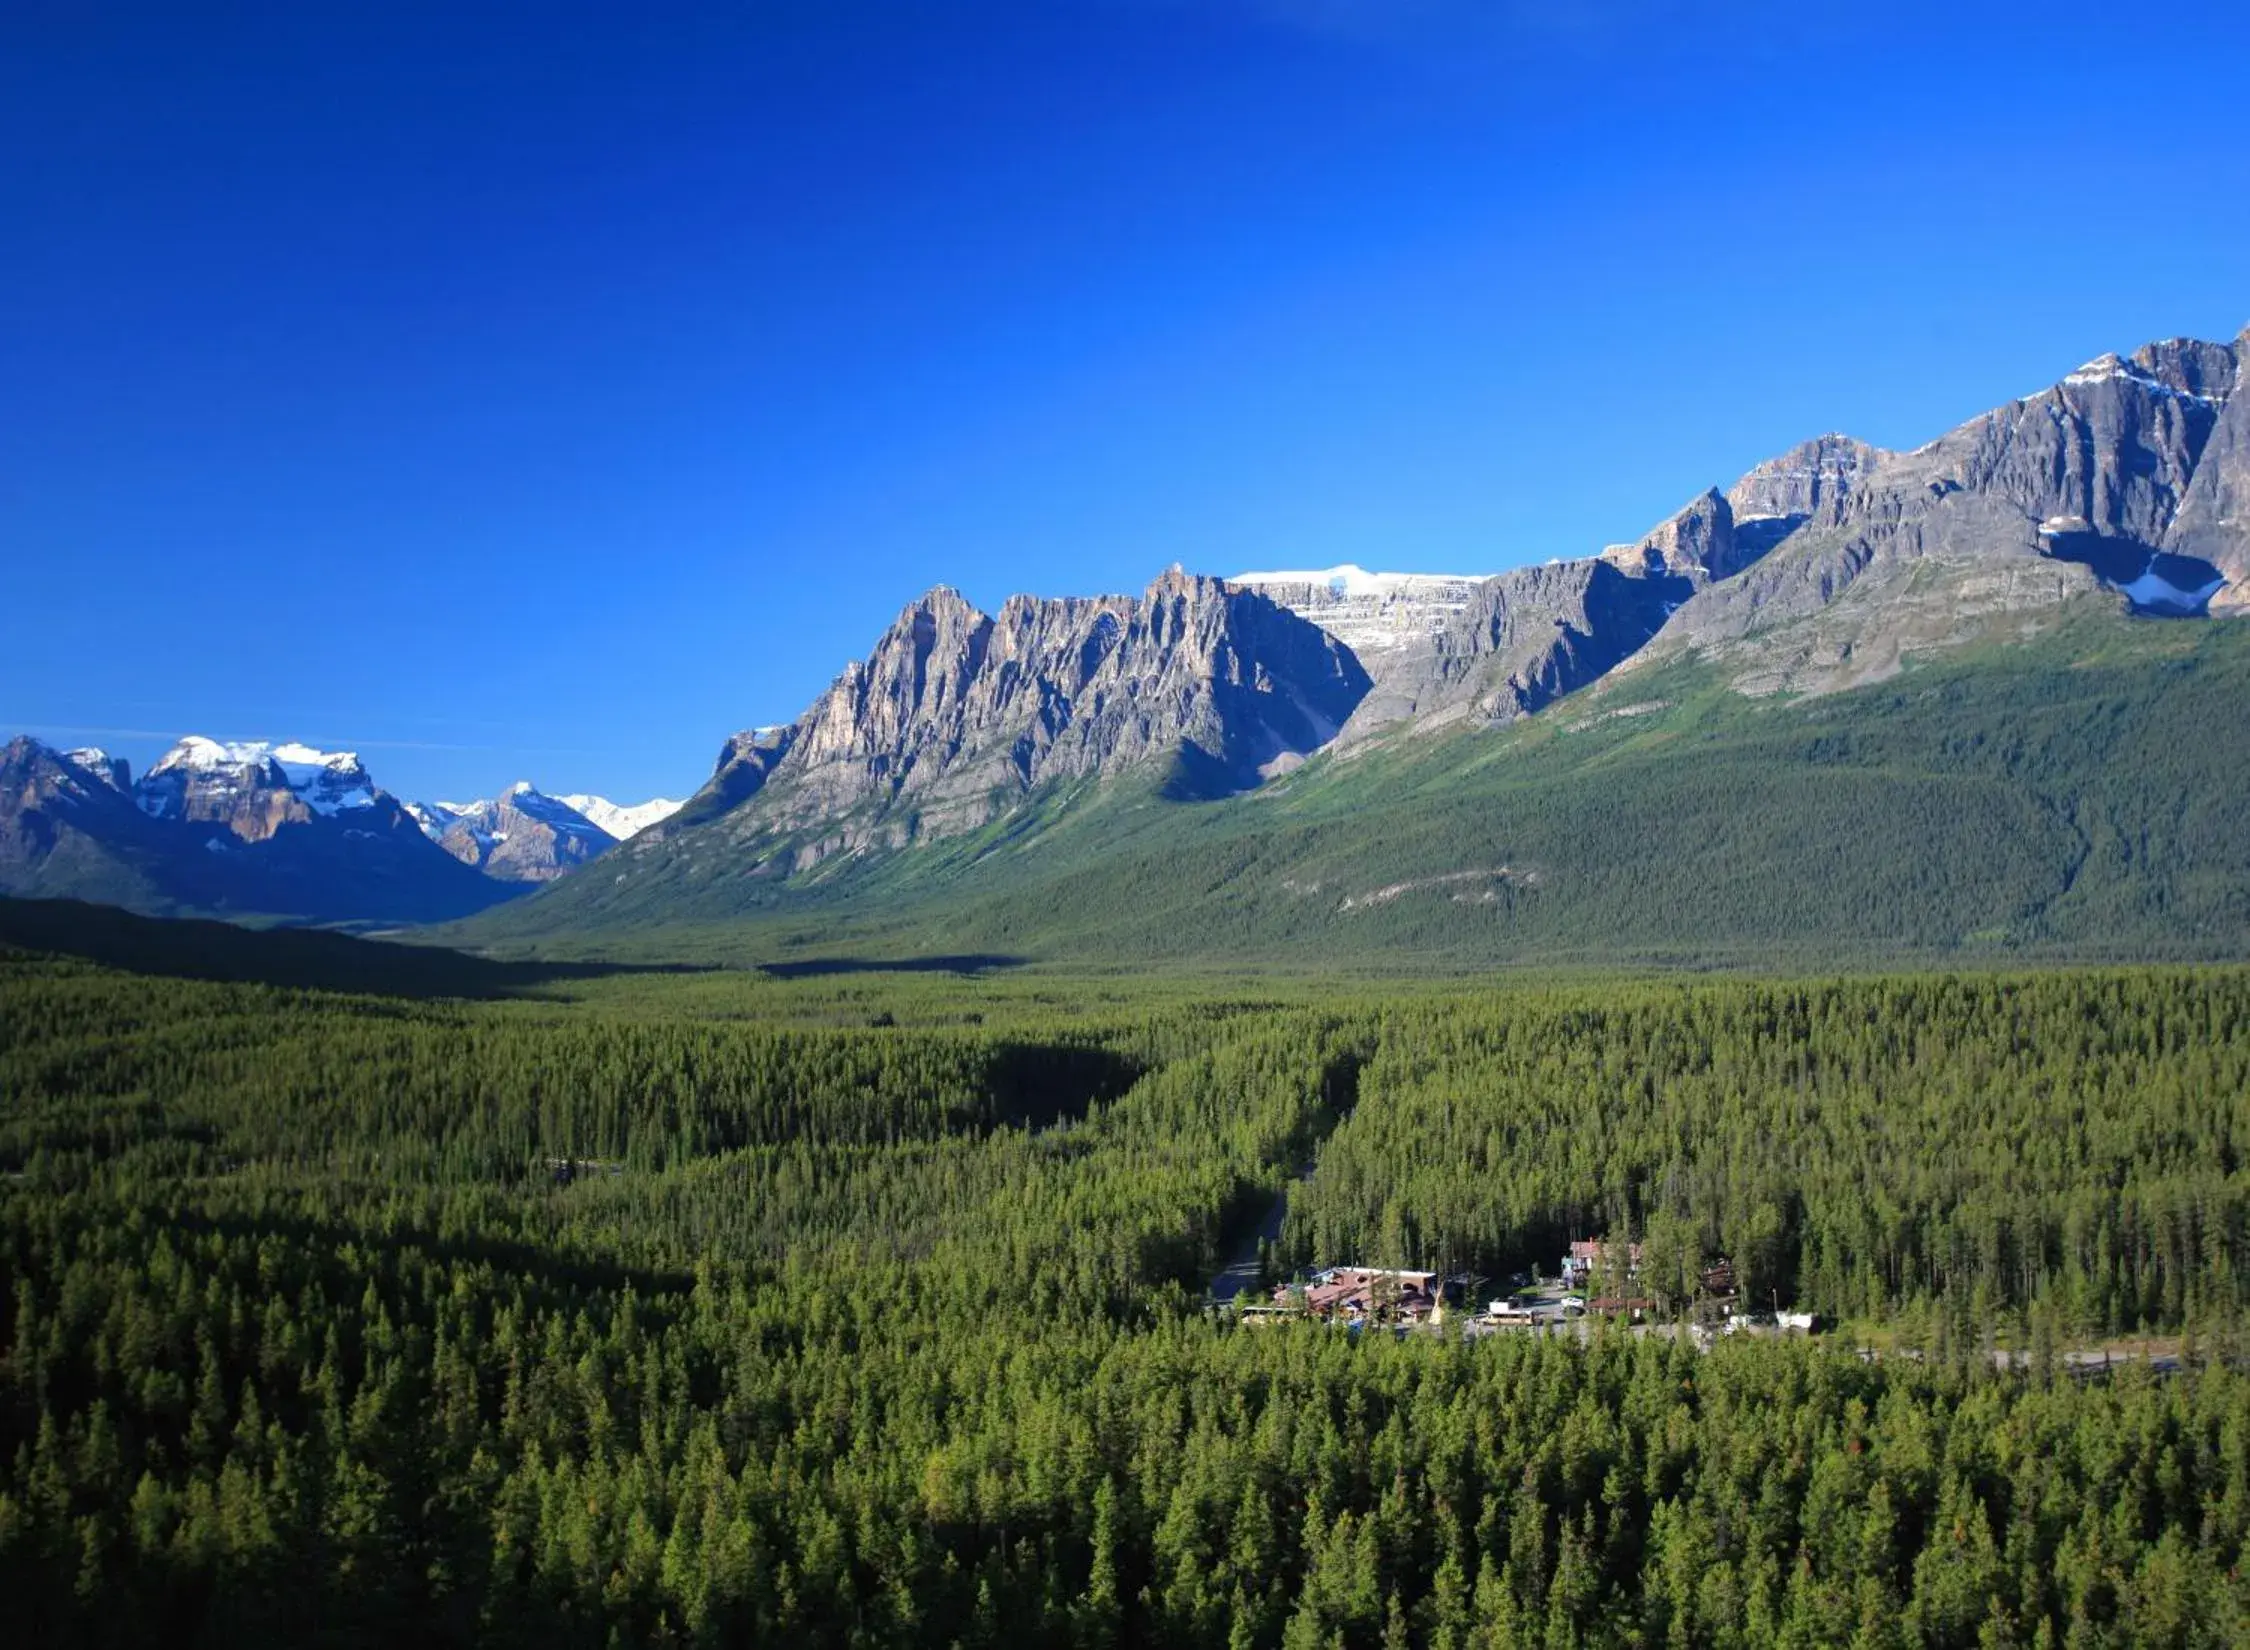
(1591, 1249)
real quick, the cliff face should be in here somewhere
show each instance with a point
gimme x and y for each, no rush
(956, 713)
(1812, 483)
(2212, 523)
(1373, 614)
(2132, 474)
(1527, 638)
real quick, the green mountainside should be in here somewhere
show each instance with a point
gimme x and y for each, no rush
(2076, 794)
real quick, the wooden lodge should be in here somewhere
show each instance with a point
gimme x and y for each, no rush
(1367, 1294)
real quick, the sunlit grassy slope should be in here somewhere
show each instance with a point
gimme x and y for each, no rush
(2085, 794)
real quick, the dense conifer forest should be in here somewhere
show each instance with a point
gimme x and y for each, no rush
(869, 1308)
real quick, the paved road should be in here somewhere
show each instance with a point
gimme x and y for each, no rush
(1241, 1270)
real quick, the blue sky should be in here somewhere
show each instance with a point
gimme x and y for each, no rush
(548, 391)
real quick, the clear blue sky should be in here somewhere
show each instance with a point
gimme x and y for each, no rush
(547, 391)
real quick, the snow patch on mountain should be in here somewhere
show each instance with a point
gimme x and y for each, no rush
(2104, 368)
(1367, 612)
(436, 818)
(112, 771)
(621, 819)
(300, 762)
(580, 813)
(2152, 590)
(328, 782)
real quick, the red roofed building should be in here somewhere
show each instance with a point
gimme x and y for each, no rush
(1583, 1257)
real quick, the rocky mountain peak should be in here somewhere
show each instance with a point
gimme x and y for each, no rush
(521, 835)
(2131, 473)
(1813, 480)
(253, 788)
(33, 772)
(113, 771)
(2183, 367)
(1697, 544)
(956, 713)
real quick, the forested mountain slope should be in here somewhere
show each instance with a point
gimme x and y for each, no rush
(1860, 703)
(2075, 793)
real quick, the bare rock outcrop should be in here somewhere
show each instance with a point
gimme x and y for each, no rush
(956, 714)
(1527, 638)
(2128, 475)
(2212, 524)
(523, 836)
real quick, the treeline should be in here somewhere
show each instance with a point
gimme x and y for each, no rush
(280, 1075)
(893, 1334)
(2070, 1143)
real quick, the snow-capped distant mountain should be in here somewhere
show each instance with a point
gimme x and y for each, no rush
(620, 819)
(522, 835)
(271, 829)
(252, 786)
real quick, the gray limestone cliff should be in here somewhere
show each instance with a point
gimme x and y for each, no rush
(1527, 638)
(2129, 476)
(956, 714)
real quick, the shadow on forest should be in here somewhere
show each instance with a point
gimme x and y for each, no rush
(190, 948)
(572, 1276)
(1037, 1085)
(967, 964)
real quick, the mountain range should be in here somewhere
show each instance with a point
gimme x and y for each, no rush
(273, 832)
(524, 835)
(1828, 705)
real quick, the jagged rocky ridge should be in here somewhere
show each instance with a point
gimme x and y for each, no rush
(520, 835)
(1832, 563)
(1823, 566)
(2131, 474)
(957, 714)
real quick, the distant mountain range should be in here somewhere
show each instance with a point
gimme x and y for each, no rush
(1381, 760)
(525, 836)
(621, 819)
(272, 831)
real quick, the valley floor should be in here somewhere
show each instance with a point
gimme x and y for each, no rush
(883, 1315)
